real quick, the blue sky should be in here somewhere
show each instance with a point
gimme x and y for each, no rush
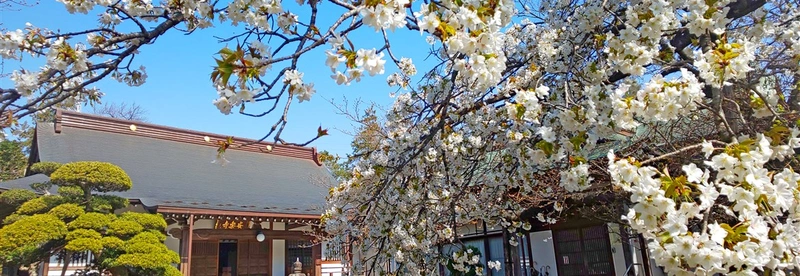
(178, 91)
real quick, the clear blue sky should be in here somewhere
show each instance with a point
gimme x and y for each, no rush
(178, 91)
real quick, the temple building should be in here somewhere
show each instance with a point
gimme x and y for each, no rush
(254, 216)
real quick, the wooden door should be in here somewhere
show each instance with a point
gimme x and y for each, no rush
(204, 258)
(299, 250)
(253, 258)
(583, 251)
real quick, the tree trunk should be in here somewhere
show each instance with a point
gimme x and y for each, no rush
(67, 259)
(87, 196)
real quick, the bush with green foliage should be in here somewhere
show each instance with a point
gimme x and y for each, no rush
(78, 220)
(148, 221)
(124, 228)
(12, 218)
(147, 255)
(16, 197)
(107, 203)
(84, 244)
(11, 200)
(39, 205)
(13, 160)
(74, 193)
(47, 168)
(67, 212)
(20, 240)
(93, 221)
(92, 176)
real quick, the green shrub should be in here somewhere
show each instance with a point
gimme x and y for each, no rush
(83, 234)
(148, 221)
(67, 212)
(108, 203)
(148, 261)
(46, 168)
(39, 205)
(148, 237)
(31, 231)
(94, 221)
(71, 192)
(124, 228)
(171, 271)
(140, 247)
(16, 197)
(84, 244)
(112, 242)
(93, 176)
(12, 218)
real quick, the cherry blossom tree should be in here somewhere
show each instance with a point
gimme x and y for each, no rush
(688, 108)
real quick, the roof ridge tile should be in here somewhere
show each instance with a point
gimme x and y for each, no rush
(73, 119)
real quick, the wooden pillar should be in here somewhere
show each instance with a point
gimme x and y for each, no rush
(184, 242)
(189, 251)
(316, 253)
(186, 246)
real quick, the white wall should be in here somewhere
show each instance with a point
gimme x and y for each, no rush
(173, 243)
(204, 224)
(544, 253)
(331, 269)
(279, 257)
(617, 250)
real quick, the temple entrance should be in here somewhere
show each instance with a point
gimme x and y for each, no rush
(227, 257)
(204, 258)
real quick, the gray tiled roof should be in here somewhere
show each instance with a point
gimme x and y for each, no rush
(24, 183)
(175, 174)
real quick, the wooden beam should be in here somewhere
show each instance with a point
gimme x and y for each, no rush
(249, 234)
(290, 226)
(213, 212)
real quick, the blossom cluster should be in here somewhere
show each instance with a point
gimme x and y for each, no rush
(467, 262)
(672, 209)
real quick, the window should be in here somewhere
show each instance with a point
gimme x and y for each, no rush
(525, 255)
(297, 249)
(583, 251)
(491, 247)
(497, 254)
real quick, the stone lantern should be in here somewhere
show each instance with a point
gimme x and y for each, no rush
(297, 269)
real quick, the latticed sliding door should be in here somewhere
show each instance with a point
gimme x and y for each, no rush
(583, 251)
(299, 250)
(253, 258)
(204, 258)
